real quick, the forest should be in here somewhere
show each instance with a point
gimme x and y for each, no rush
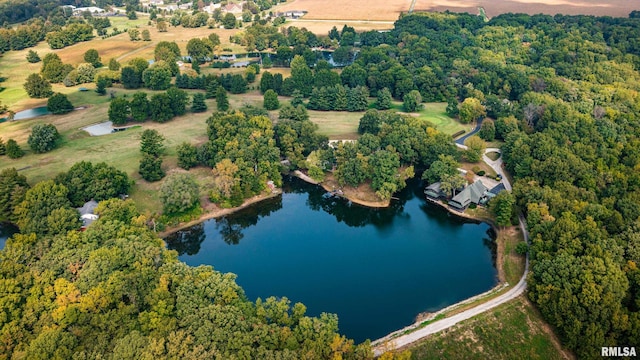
(564, 93)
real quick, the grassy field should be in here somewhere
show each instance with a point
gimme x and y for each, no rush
(15, 68)
(436, 114)
(391, 9)
(119, 149)
(337, 125)
(514, 330)
(322, 27)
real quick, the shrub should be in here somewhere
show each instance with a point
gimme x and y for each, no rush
(480, 173)
(13, 149)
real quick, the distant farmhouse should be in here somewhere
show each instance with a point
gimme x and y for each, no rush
(291, 14)
(233, 8)
(211, 8)
(79, 11)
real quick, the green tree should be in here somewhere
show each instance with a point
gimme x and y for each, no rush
(179, 193)
(86, 73)
(13, 187)
(114, 65)
(301, 75)
(33, 57)
(475, 149)
(412, 101)
(229, 21)
(238, 84)
(179, 100)
(446, 165)
(452, 107)
(222, 102)
(151, 168)
(502, 207)
(139, 106)
(487, 130)
(505, 126)
(198, 104)
(146, 35)
(134, 34)
(86, 181)
(449, 184)
(358, 99)
(160, 108)
(38, 204)
(384, 99)
(130, 77)
(92, 57)
(3, 147)
(43, 138)
(199, 49)
(298, 113)
(59, 104)
(101, 86)
(53, 69)
(370, 122)
(271, 100)
(158, 76)
(266, 82)
(470, 110)
(14, 151)
(187, 155)
(151, 143)
(118, 111)
(37, 87)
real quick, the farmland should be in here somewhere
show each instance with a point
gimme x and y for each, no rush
(391, 9)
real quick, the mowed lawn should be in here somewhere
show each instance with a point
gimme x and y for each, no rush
(514, 330)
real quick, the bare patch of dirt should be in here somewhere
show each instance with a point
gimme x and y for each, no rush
(362, 195)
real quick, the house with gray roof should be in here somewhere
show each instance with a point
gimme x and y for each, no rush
(87, 214)
(474, 193)
(433, 191)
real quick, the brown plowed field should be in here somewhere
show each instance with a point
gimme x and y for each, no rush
(390, 9)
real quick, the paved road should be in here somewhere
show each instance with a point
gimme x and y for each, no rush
(496, 165)
(401, 341)
(460, 141)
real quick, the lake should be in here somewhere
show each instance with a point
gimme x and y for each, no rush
(376, 268)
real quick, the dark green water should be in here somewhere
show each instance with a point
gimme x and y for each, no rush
(376, 269)
(6, 230)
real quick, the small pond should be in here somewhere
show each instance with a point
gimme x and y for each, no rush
(31, 113)
(376, 268)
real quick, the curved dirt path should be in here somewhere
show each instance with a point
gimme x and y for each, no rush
(387, 343)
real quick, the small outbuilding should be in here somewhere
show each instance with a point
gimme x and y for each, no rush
(87, 214)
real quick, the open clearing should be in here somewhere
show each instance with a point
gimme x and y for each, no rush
(514, 330)
(391, 9)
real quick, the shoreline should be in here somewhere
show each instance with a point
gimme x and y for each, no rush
(218, 213)
(331, 189)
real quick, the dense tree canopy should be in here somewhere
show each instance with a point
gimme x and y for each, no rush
(86, 181)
